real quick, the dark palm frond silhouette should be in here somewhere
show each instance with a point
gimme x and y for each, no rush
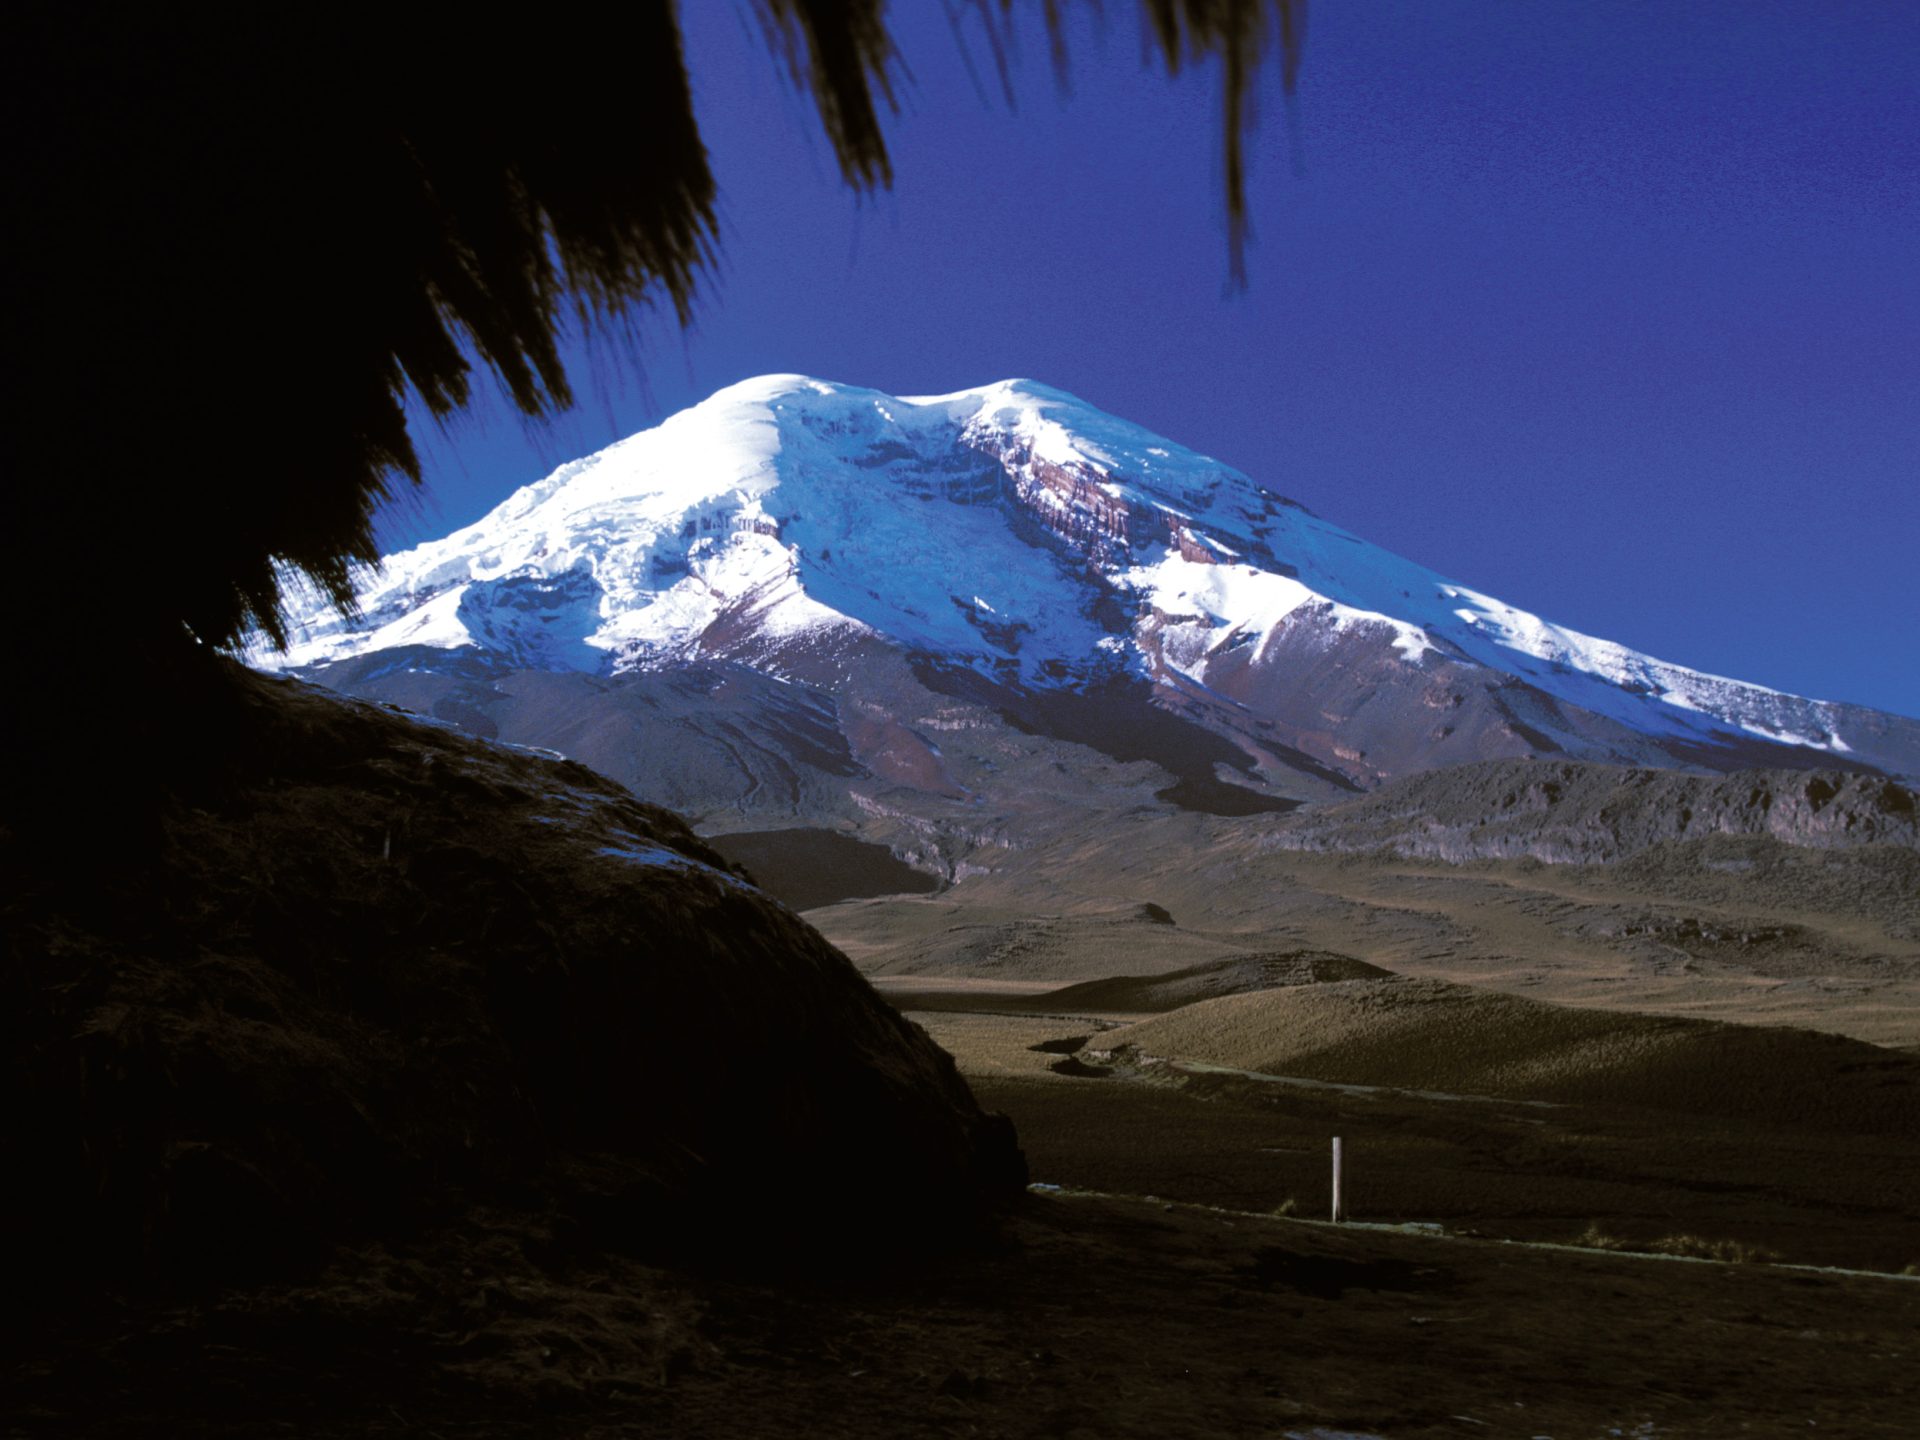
(236, 236)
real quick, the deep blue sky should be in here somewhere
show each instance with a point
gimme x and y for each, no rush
(1611, 310)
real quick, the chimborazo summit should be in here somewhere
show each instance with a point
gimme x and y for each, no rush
(804, 602)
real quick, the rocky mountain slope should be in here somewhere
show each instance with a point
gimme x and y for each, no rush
(1582, 814)
(800, 600)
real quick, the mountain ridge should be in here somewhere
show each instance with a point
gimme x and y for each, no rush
(1010, 543)
(1586, 814)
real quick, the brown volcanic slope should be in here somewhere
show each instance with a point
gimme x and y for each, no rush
(938, 762)
(693, 739)
(1428, 1035)
(371, 969)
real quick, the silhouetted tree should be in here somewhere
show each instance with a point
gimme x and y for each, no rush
(236, 235)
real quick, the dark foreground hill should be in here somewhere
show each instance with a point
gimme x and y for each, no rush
(366, 972)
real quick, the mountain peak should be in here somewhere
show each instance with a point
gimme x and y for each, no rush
(760, 389)
(1018, 532)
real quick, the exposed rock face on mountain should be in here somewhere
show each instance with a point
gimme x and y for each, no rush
(1562, 812)
(373, 969)
(921, 618)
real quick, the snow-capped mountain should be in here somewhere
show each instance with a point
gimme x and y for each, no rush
(1008, 548)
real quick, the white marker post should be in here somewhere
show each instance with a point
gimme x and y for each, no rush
(1339, 1204)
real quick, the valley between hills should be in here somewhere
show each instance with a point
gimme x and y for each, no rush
(1630, 1145)
(1615, 1164)
(1721, 1041)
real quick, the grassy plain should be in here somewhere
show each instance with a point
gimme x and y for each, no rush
(1724, 928)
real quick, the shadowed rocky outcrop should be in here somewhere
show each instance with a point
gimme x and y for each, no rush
(377, 970)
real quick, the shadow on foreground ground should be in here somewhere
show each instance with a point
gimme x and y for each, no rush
(1089, 1318)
